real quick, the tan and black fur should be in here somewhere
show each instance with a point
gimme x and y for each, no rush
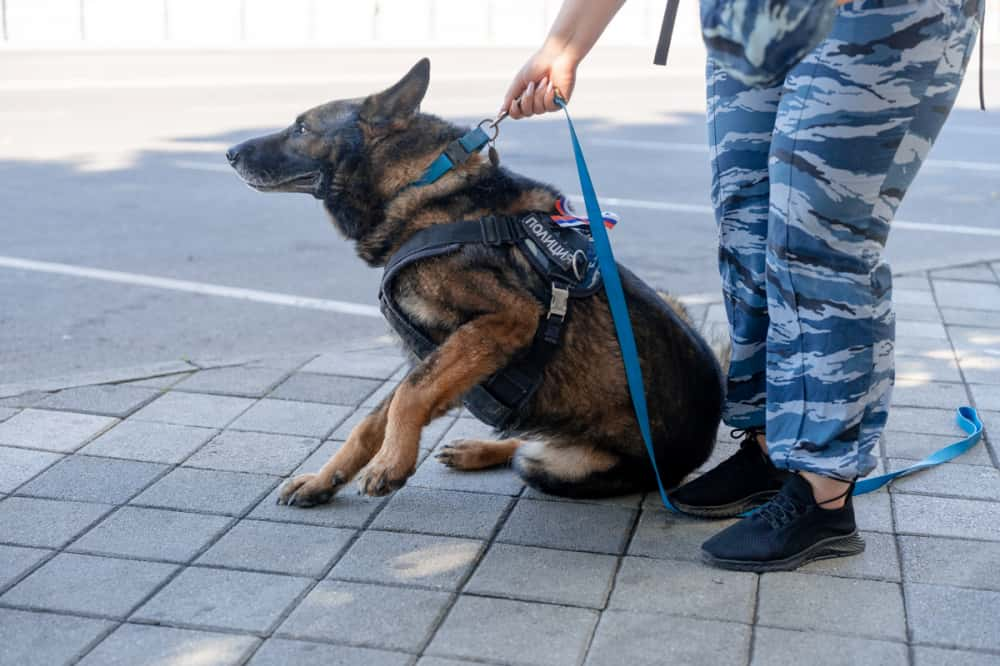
(359, 157)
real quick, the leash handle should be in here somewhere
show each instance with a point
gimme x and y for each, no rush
(967, 417)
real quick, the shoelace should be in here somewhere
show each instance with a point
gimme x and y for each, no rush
(781, 510)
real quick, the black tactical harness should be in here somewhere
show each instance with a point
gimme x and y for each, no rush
(564, 258)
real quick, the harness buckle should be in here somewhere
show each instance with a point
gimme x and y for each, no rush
(491, 230)
(457, 153)
(559, 304)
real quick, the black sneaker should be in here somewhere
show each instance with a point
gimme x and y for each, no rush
(741, 482)
(785, 533)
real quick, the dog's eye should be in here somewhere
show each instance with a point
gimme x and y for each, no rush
(301, 129)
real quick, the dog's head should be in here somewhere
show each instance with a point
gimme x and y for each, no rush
(340, 151)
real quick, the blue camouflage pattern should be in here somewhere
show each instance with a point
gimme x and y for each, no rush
(807, 176)
(758, 41)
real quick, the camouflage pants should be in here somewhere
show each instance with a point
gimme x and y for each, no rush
(807, 176)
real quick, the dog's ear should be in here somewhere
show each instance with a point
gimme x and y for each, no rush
(393, 108)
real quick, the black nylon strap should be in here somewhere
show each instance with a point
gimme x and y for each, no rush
(666, 33)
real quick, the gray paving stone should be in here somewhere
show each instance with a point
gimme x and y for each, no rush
(348, 509)
(254, 452)
(281, 652)
(514, 631)
(953, 478)
(964, 317)
(920, 281)
(288, 417)
(19, 465)
(981, 369)
(630, 501)
(370, 615)
(920, 329)
(542, 574)
(333, 389)
(380, 394)
(442, 661)
(916, 446)
(973, 273)
(975, 342)
(666, 535)
(148, 441)
(931, 349)
(219, 598)
(873, 512)
(952, 616)
(781, 646)
(86, 584)
(227, 493)
(904, 296)
(932, 656)
(947, 517)
(684, 588)
(374, 364)
(924, 369)
(408, 559)
(160, 382)
(854, 606)
(132, 644)
(23, 400)
(923, 420)
(974, 296)
(16, 560)
(305, 550)
(588, 527)
(103, 399)
(7, 412)
(644, 639)
(987, 396)
(916, 311)
(154, 534)
(88, 479)
(880, 561)
(195, 409)
(43, 522)
(499, 480)
(62, 432)
(238, 380)
(928, 394)
(36, 639)
(443, 512)
(950, 562)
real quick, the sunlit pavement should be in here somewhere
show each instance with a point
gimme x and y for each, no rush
(138, 525)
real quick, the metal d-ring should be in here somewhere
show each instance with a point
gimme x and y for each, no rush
(493, 125)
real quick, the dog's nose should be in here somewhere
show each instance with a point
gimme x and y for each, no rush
(236, 152)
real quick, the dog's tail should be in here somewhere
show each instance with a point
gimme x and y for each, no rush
(717, 340)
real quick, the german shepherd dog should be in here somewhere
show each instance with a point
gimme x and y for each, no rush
(360, 157)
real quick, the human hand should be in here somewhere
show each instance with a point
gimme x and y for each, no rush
(534, 88)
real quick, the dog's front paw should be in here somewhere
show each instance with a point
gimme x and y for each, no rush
(380, 479)
(308, 490)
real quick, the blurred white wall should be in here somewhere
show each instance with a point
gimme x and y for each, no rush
(323, 23)
(312, 23)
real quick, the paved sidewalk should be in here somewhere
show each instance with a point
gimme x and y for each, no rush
(138, 525)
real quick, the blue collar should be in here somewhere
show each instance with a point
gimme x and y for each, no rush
(456, 153)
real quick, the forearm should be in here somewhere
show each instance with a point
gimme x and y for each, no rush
(579, 25)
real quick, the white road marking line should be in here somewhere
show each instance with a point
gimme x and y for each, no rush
(187, 286)
(707, 210)
(670, 146)
(674, 207)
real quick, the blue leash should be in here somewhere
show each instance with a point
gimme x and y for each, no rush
(967, 417)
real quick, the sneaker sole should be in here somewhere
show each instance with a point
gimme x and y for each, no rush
(732, 510)
(842, 546)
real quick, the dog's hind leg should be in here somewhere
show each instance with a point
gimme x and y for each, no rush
(580, 469)
(470, 454)
(361, 445)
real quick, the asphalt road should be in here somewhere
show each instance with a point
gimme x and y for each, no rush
(114, 161)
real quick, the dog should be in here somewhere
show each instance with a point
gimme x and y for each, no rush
(578, 435)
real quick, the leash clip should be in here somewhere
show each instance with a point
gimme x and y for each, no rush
(559, 304)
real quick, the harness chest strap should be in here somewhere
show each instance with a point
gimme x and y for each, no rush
(500, 400)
